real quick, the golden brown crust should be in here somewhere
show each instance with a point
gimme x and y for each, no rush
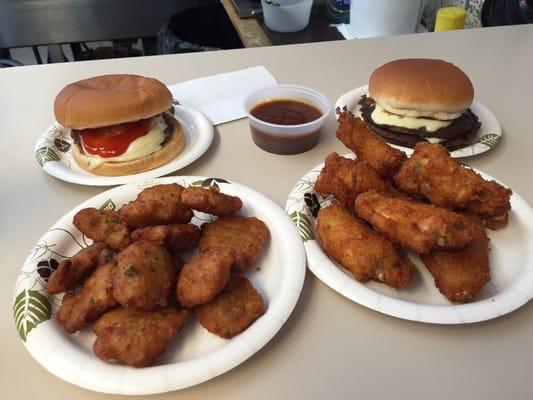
(421, 84)
(167, 153)
(109, 100)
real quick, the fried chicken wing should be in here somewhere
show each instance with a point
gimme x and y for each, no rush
(78, 310)
(157, 205)
(461, 274)
(345, 179)
(136, 338)
(417, 226)
(368, 146)
(74, 270)
(363, 252)
(432, 173)
(144, 277)
(211, 201)
(204, 276)
(176, 237)
(246, 236)
(233, 310)
(105, 226)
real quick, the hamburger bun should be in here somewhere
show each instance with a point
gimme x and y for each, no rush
(109, 100)
(421, 88)
(170, 149)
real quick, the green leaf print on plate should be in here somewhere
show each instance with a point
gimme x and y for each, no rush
(108, 205)
(30, 309)
(45, 154)
(303, 224)
(490, 140)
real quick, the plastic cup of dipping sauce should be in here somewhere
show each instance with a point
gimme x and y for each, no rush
(286, 119)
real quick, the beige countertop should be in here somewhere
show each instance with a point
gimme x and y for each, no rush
(330, 347)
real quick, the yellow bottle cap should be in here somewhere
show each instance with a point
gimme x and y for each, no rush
(450, 18)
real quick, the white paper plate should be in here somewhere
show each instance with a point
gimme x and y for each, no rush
(487, 137)
(52, 151)
(195, 355)
(511, 266)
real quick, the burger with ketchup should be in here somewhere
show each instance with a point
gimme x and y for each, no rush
(413, 100)
(119, 124)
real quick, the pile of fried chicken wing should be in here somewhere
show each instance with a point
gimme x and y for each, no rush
(385, 202)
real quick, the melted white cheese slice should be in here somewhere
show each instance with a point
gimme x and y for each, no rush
(381, 117)
(140, 147)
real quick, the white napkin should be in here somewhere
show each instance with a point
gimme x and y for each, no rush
(221, 97)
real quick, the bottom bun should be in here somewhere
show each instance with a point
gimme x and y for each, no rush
(172, 147)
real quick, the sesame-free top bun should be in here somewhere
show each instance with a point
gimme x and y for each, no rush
(421, 87)
(109, 100)
(171, 148)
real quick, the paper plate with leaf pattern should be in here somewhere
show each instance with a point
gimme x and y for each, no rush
(511, 266)
(487, 137)
(53, 151)
(195, 355)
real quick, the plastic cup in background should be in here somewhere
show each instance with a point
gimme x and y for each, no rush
(286, 15)
(287, 139)
(371, 18)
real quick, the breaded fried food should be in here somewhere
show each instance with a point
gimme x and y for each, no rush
(432, 173)
(176, 237)
(80, 309)
(144, 277)
(417, 226)
(105, 226)
(359, 249)
(345, 179)
(461, 274)
(74, 270)
(204, 276)
(211, 201)
(233, 310)
(246, 236)
(368, 146)
(136, 338)
(157, 205)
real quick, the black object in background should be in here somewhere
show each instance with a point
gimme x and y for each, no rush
(199, 28)
(507, 12)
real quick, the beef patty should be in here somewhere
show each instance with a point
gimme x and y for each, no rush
(460, 133)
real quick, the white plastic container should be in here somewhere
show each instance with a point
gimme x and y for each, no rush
(287, 139)
(286, 15)
(370, 18)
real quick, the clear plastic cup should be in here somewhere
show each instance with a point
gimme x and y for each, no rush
(286, 15)
(287, 139)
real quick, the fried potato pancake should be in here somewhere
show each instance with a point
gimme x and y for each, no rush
(74, 270)
(136, 338)
(233, 310)
(157, 205)
(211, 201)
(144, 277)
(204, 276)
(246, 236)
(105, 226)
(78, 310)
(176, 237)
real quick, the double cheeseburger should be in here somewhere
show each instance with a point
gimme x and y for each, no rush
(413, 100)
(119, 124)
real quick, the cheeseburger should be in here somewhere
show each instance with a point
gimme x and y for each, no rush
(119, 124)
(413, 100)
